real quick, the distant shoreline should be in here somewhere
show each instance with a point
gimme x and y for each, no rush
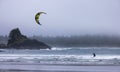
(75, 41)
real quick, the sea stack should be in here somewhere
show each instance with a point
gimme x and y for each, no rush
(18, 41)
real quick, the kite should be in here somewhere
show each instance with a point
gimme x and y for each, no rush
(37, 16)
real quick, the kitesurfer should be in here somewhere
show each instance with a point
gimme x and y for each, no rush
(94, 55)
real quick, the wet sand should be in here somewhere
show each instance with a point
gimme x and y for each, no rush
(56, 68)
(34, 71)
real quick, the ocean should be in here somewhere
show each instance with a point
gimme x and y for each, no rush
(67, 56)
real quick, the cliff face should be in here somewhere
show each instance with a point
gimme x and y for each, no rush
(18, 41)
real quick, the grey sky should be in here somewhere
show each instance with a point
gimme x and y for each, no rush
(64, 17)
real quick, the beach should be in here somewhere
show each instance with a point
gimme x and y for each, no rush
(56, 68)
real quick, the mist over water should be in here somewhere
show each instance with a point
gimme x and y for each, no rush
(64, 17)
(80, 41)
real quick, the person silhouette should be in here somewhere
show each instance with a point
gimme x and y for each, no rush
(94, 55)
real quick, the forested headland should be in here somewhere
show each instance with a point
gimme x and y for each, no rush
(76, 41)
(81, 41)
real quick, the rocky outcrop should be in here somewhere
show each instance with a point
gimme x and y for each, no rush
(18, 41)
(15, 37)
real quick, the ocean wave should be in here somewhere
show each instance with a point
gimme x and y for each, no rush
(65, 59)
(56, 48)
(39, 56)
(63, 55)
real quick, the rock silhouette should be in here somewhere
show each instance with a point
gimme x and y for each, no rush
(15, 37)
(18, 41)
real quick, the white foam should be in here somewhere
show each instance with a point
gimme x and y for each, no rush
(54, 48)
(64, 59)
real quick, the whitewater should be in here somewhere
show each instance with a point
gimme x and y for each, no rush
(66, 56)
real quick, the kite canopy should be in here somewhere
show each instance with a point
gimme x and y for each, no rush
(37, 16)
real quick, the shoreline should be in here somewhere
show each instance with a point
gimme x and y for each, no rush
(57, 68)
(57, 64)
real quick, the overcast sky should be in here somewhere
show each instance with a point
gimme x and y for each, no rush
(64, 17)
